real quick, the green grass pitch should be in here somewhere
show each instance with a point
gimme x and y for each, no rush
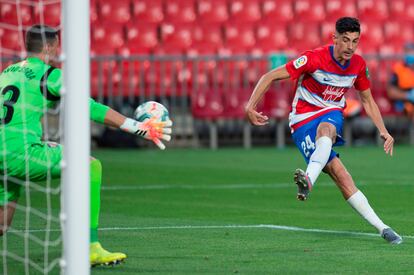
(199, 211)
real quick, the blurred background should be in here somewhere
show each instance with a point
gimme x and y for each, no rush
(202, 58)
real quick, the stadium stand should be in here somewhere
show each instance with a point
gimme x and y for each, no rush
(180, 11)
(264, 16)
(214, 44)
(277, 11)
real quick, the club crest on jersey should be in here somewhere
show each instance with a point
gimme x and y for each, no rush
(300, 61)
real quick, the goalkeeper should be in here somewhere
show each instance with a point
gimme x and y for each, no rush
(27, 89)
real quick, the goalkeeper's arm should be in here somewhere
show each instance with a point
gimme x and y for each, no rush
(149, 129)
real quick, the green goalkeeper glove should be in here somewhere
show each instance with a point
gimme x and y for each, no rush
(150, 129)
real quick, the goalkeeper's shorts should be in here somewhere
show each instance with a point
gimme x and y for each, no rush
(41, 161)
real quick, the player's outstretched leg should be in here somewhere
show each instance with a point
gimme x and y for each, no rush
(358, 201)
(304, 185)
(98, 255)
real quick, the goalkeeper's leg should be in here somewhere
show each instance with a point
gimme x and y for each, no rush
(98, 255)
(6, 216)
(44, 159)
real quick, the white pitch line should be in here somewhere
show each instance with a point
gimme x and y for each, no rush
(233, 226)
(235, 186)
(184, 186)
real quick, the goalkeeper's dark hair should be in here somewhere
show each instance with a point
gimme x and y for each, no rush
(347, 24)
(38, 36)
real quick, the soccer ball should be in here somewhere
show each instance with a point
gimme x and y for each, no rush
(151, 109)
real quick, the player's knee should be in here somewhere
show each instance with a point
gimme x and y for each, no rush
(326, 129)
(4, 227)
(3, 230)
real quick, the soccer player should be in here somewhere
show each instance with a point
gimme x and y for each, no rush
(323, 76)
(27, 89)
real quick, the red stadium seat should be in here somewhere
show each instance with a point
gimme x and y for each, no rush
(14, 13)
(271, 37)
(177, 36)
(107, 38)
(397, 32)
(207, 104)
(162, 75)
(212, 11)
(409, 8)
(148, 11)
(391, 49)
(309, 10)
(276, 102)
(230, 69)
(197, 71)
(132, 77)
(277, 11)
(93, 12)
(384, 103)
(103, 73)
(207, 36)
(11, 42)
(367, 48)
(129, 49)
(375, 10)
(180, 11)
(397, 9)
(245, 11)
(141, 38)
(402, 10)
(327, 30)
(234, 102)
(304, 36)
(115, 11)
(50, 14)
(339, 8)
(239, 36)
(372, 34)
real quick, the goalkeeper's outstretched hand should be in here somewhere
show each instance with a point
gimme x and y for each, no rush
(150, 129)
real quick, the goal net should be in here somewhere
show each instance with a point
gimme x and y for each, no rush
(39, 200)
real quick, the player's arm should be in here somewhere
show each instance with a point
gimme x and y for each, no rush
(372, 110)
(149, 129)
(261, 88)
(100, 113)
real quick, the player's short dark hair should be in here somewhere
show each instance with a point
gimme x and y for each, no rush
(347, 24)
(38, 36)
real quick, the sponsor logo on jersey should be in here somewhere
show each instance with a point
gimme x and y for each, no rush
(332, 93)
(300, 61)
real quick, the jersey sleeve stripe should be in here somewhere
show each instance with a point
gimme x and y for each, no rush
(43, 86)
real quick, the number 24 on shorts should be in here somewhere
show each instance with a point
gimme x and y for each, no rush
(307, 145)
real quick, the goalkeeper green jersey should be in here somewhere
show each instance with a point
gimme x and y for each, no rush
(27, 89)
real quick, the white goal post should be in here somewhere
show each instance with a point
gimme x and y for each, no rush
(76, 137)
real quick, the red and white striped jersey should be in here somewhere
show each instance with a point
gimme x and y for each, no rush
(321, 82)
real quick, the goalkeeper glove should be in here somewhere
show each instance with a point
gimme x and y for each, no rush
(150, 129)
